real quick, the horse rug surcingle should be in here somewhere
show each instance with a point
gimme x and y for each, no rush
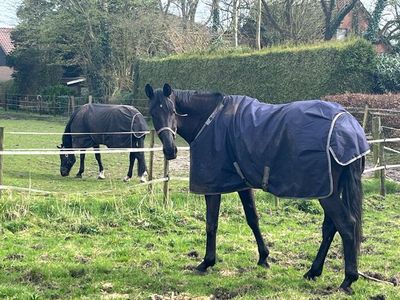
(101, 119)
(283, 149)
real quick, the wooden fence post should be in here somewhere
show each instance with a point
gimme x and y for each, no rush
(166, 183)
(40, 100)
(276, 201)
(1, 156)
(383, 171)
(365, 119)
(379, 153)
(5, 102)
(151, 162)
(376, 124)
(72, 104)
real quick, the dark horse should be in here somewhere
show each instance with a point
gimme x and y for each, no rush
(116, 126)
(306, 149)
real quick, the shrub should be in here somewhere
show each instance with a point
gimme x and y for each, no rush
(387, 73)
(276, 75)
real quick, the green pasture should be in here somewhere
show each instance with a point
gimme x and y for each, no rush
(106, 239)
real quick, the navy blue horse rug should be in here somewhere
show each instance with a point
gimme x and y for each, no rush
(282, 149)
(104, 122)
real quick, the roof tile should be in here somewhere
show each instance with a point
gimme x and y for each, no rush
(5, 40)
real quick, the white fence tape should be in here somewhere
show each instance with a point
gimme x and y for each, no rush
(388, 140)
(82, 151)
(76, 133)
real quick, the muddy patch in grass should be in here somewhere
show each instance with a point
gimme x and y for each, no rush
(225, 294)
(33, 276)
(174, 296)
(15, 256)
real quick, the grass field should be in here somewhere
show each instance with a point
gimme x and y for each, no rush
(125, 243)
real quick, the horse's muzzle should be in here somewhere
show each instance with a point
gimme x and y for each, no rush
(64, 172)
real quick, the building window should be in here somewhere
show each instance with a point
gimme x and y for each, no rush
(341, 33)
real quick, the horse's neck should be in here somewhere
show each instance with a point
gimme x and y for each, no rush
(67, 137)
(198, 108)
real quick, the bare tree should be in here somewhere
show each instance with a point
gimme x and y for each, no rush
(293, 20)
(390, 30)
(334, 14)
(164, 6)
(187, 9)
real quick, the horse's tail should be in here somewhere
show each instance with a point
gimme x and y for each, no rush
(353, 195)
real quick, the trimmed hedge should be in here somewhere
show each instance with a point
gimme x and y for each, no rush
(275, 75)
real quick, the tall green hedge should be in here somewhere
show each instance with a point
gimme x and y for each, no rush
(274, 75)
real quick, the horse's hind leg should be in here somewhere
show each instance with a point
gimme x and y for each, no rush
(81, 165)
(142, 169)
(328, 233)
(345, 225)
(247, 198)
(98, 158)
(213, 203)
(130, 169)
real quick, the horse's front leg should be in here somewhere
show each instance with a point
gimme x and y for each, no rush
(130, 169)
(247, 198)
(81, 165)
(98, 158)
(213, 203)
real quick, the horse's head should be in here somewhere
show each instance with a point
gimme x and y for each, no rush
(67, 162)
(163, 113)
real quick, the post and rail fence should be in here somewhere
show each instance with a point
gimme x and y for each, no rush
(378, 143)
(60, 105)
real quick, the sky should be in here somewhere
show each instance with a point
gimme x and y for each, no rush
(8, 10)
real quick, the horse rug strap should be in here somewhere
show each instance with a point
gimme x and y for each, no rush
(99, 118)
(283, 149)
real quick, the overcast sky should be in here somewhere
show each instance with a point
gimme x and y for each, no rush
(8, 10)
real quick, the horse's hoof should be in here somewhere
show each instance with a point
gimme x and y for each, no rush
(127, 179)
(263, 264)
(101, 175)
(347, 290)
(310, 276)
(78, 176)
(201, 268)
(143, 178)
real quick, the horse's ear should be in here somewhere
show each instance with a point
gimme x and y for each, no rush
(149, 91)
(167, 90)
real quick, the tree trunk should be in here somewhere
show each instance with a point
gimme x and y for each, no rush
(215, 16)
(332, 22)
(258, 29)
(235, 21)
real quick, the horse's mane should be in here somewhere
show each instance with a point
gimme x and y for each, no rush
(67, 138)
(195, 100)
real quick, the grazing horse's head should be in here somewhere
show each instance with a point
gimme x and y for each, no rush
(163, 113)
(67, 162)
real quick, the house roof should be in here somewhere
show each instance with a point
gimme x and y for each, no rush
(5, 40)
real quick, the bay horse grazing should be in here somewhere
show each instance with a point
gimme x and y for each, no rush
(306, 149)
(116, 126)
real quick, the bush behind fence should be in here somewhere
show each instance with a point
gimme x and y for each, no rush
(274, 75)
